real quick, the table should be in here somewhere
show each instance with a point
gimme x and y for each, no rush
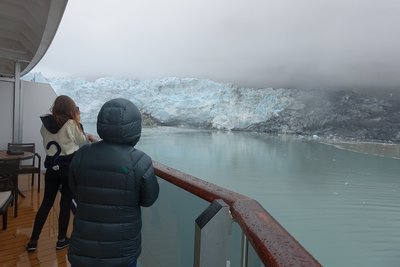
(25, 155)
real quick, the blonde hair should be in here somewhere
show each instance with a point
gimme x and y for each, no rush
(64, 109)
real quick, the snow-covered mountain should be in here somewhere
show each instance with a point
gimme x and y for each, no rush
(193, 102)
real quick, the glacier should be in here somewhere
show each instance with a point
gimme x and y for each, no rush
(201, 103)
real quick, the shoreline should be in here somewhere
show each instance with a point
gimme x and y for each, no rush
(380, 149)
(387, 149)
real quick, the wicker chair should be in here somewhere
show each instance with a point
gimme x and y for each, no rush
(8, 189)
(33, 165)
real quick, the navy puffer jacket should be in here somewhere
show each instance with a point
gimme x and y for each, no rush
(110, 180)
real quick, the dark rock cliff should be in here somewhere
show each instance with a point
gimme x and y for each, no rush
(339, 114)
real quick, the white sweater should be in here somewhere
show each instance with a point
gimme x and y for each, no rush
(69, 137)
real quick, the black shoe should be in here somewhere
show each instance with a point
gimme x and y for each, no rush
(31, 246)
(62, 243)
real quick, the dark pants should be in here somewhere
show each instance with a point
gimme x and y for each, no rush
(53, 181)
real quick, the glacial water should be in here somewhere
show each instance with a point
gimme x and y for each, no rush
(342, 206)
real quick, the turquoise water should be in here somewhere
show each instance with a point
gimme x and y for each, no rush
(342, 206)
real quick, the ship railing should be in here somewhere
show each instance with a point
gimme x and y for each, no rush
(242, 233)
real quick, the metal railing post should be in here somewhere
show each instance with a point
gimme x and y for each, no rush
(18, 105)
(245, 251)
(212, 230)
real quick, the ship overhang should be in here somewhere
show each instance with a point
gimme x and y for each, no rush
(27, 28)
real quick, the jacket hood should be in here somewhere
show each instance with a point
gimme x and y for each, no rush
(119, 121)
(50, 123)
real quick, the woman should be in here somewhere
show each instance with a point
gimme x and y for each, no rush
(62, 135)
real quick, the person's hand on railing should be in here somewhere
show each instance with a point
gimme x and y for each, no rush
(92, 138)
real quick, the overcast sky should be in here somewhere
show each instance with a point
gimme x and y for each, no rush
(251, 43)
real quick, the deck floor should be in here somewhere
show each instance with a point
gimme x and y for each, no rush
(14, 239)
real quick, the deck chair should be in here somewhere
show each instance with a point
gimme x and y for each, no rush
(30, 165)
(8, 189)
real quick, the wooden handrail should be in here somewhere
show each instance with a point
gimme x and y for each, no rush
(272, 243)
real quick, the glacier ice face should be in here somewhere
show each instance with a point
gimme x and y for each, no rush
(200, 103)
(176, 101)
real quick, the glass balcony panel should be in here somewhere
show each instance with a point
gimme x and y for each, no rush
(169, 229)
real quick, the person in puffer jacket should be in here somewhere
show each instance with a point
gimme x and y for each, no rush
(111, 180)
